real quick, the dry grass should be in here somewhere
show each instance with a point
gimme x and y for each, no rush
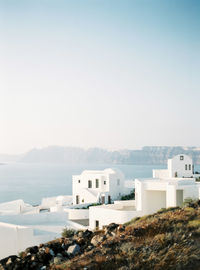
(169, 239)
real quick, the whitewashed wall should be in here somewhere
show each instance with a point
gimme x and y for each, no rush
(36, 219)
(105, 216)
(14, 207)
(76, 214)
(110, 186)
(14, 239)
(58, 200)
(176, 165)
(160, 174)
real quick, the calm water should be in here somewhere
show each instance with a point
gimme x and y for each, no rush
(32, 182)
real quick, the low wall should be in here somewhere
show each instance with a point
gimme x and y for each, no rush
(58, 200)
(77, 213)
(36, 219)
(126, 203)
(160, 173)
(14, 239)
(105, 216)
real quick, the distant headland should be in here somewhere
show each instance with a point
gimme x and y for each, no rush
(74, 155)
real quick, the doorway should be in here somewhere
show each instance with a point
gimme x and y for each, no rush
(103, 199)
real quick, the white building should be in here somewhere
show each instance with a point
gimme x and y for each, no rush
(167, 188)
(179, 166)
(98, 186)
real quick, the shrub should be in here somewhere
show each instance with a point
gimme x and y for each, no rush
(130, 196)
(194, 223)
(68, 233)
(189, 202)
(164, 210)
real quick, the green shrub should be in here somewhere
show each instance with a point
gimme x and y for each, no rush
(189, 202)
(67, 233)
(130, 196)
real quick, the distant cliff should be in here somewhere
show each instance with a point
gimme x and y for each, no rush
(73, 155)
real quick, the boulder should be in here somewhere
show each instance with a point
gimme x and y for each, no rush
(97, 239)
(73, 250)
(32, 250)
(57, 260)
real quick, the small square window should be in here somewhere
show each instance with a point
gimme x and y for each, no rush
(181, 157)
(79, 181)
(104, 182)
(186, 167)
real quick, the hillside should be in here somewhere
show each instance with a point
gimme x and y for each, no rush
(74, 155)
(168, 239)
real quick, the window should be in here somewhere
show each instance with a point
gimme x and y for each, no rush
(89, 184)
(77, 199)
(109, 199)
(186, 167)
(118, 182)
(97, 183)
(97, 224)
(189, 167)
(104, 182)
(181, 157)
(79, 181)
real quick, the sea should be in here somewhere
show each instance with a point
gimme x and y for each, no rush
(32, 182)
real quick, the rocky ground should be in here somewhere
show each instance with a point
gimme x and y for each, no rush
(168, 239)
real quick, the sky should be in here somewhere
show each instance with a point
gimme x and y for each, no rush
(99, 73)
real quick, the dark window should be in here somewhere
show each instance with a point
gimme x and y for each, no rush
(186, 167)
(97, 183)
(97, 224)
(181, 157)
(89, 184)
(189, 167)
(104, 182)
(79, 181)
(77, 199)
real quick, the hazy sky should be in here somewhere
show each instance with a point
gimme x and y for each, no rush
(106, 73)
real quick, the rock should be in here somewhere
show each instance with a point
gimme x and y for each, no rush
(44, 257)
(87, 234)
(56, 247)
(112, 227)
(51, 252)
(121, 228)
(57, 260)
(73, 250)
(90, 247)
(97, 239)
(9, 261)
(32, 250)
(81, 241)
